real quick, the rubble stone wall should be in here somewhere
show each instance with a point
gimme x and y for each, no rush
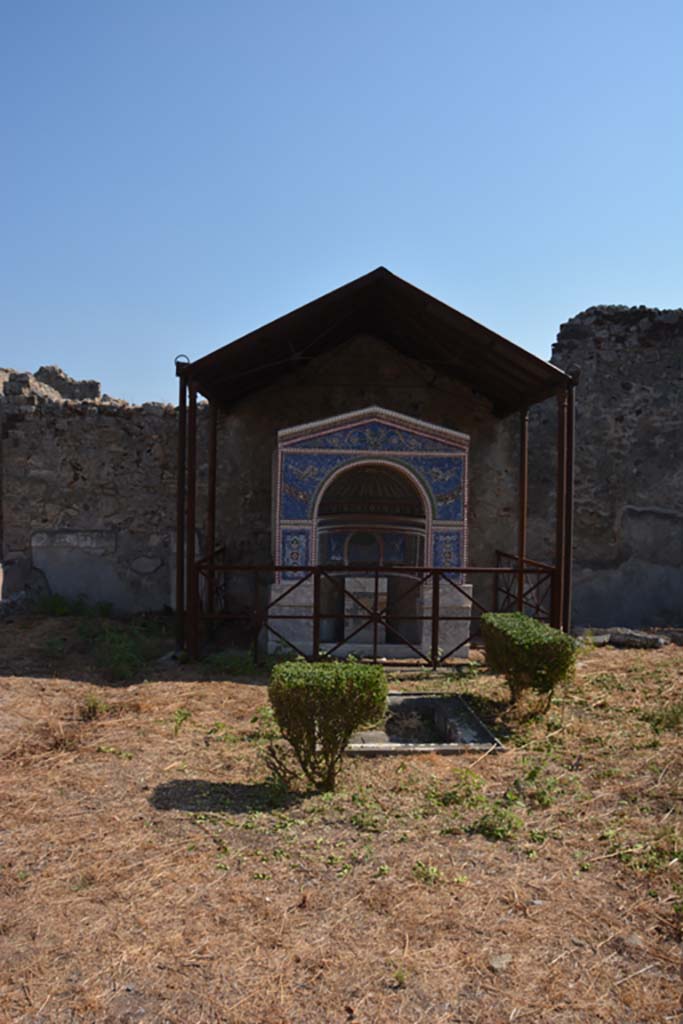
(628, 535)
(87, 493)
(67, 387)
(87, 483)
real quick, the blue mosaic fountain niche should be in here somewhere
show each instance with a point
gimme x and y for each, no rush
(308, 458)
(311, 457)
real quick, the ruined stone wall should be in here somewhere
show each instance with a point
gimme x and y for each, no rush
(628, 547)
(88, 492)
(87, 484)
(67, 387)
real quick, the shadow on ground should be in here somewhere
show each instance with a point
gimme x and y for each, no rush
(234, 797)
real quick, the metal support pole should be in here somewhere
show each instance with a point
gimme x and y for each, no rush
(316, 613)
(180, 511)
(211, 509)
(561, 511)
(256, 653)
(436, 593)
(569, 512)
(191, 572)
(375, 610)
(523, 503)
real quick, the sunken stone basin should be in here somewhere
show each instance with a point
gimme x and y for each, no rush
(425, 723)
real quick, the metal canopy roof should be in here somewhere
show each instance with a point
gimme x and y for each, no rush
(413, 322)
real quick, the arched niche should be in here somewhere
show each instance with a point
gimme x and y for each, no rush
(371, 514)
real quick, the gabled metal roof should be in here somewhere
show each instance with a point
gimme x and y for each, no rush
(413, 322)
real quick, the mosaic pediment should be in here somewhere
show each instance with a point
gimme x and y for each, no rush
(374, 436)
(373, 429)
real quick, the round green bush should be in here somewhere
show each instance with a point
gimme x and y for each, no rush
(319, 705)
(530, 654)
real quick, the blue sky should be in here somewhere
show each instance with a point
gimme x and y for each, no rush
(175, 174)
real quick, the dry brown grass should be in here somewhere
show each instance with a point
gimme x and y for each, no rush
(150, 873)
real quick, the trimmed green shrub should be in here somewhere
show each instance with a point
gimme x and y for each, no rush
(318, 707)
(530, 654)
